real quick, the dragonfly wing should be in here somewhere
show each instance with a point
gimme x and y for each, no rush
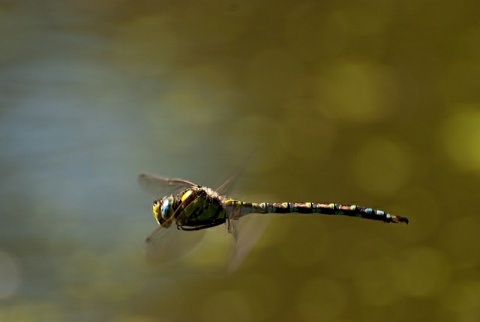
(160, 186)
(168, 244)
(225, 187)
(246, 232)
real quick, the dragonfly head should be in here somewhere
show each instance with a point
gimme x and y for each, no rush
(163, 211)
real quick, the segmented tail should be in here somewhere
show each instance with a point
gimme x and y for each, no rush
(240, 209)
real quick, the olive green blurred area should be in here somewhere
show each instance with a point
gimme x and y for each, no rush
(375, 103)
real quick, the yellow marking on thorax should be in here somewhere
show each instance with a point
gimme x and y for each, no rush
(186, 195)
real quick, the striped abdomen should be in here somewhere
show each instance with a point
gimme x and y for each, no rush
(239, 209)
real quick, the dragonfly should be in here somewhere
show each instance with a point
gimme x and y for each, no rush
(184, 206)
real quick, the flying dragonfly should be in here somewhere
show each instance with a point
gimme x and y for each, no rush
(190, 208)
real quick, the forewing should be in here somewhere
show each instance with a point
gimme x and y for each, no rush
(159, 187)
(227, 185)
(164, 245)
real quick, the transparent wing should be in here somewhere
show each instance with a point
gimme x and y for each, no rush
(164, 245)
(228, 184)
(246, 232)
(159, 187)
(225, 187)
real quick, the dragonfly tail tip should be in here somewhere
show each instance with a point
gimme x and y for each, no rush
(399, 219)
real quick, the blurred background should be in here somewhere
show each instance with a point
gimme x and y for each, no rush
(373, 102)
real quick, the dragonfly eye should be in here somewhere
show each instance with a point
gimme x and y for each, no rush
(166, 209)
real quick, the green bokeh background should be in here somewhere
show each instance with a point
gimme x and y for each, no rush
(370, 102)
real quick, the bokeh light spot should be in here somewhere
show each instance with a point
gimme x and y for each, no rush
(9, 275)
(424, 272)
(381, 167)
(460, 136)
(357, 92)
(463, 298)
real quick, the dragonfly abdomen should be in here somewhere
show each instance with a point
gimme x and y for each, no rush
(244, 208)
